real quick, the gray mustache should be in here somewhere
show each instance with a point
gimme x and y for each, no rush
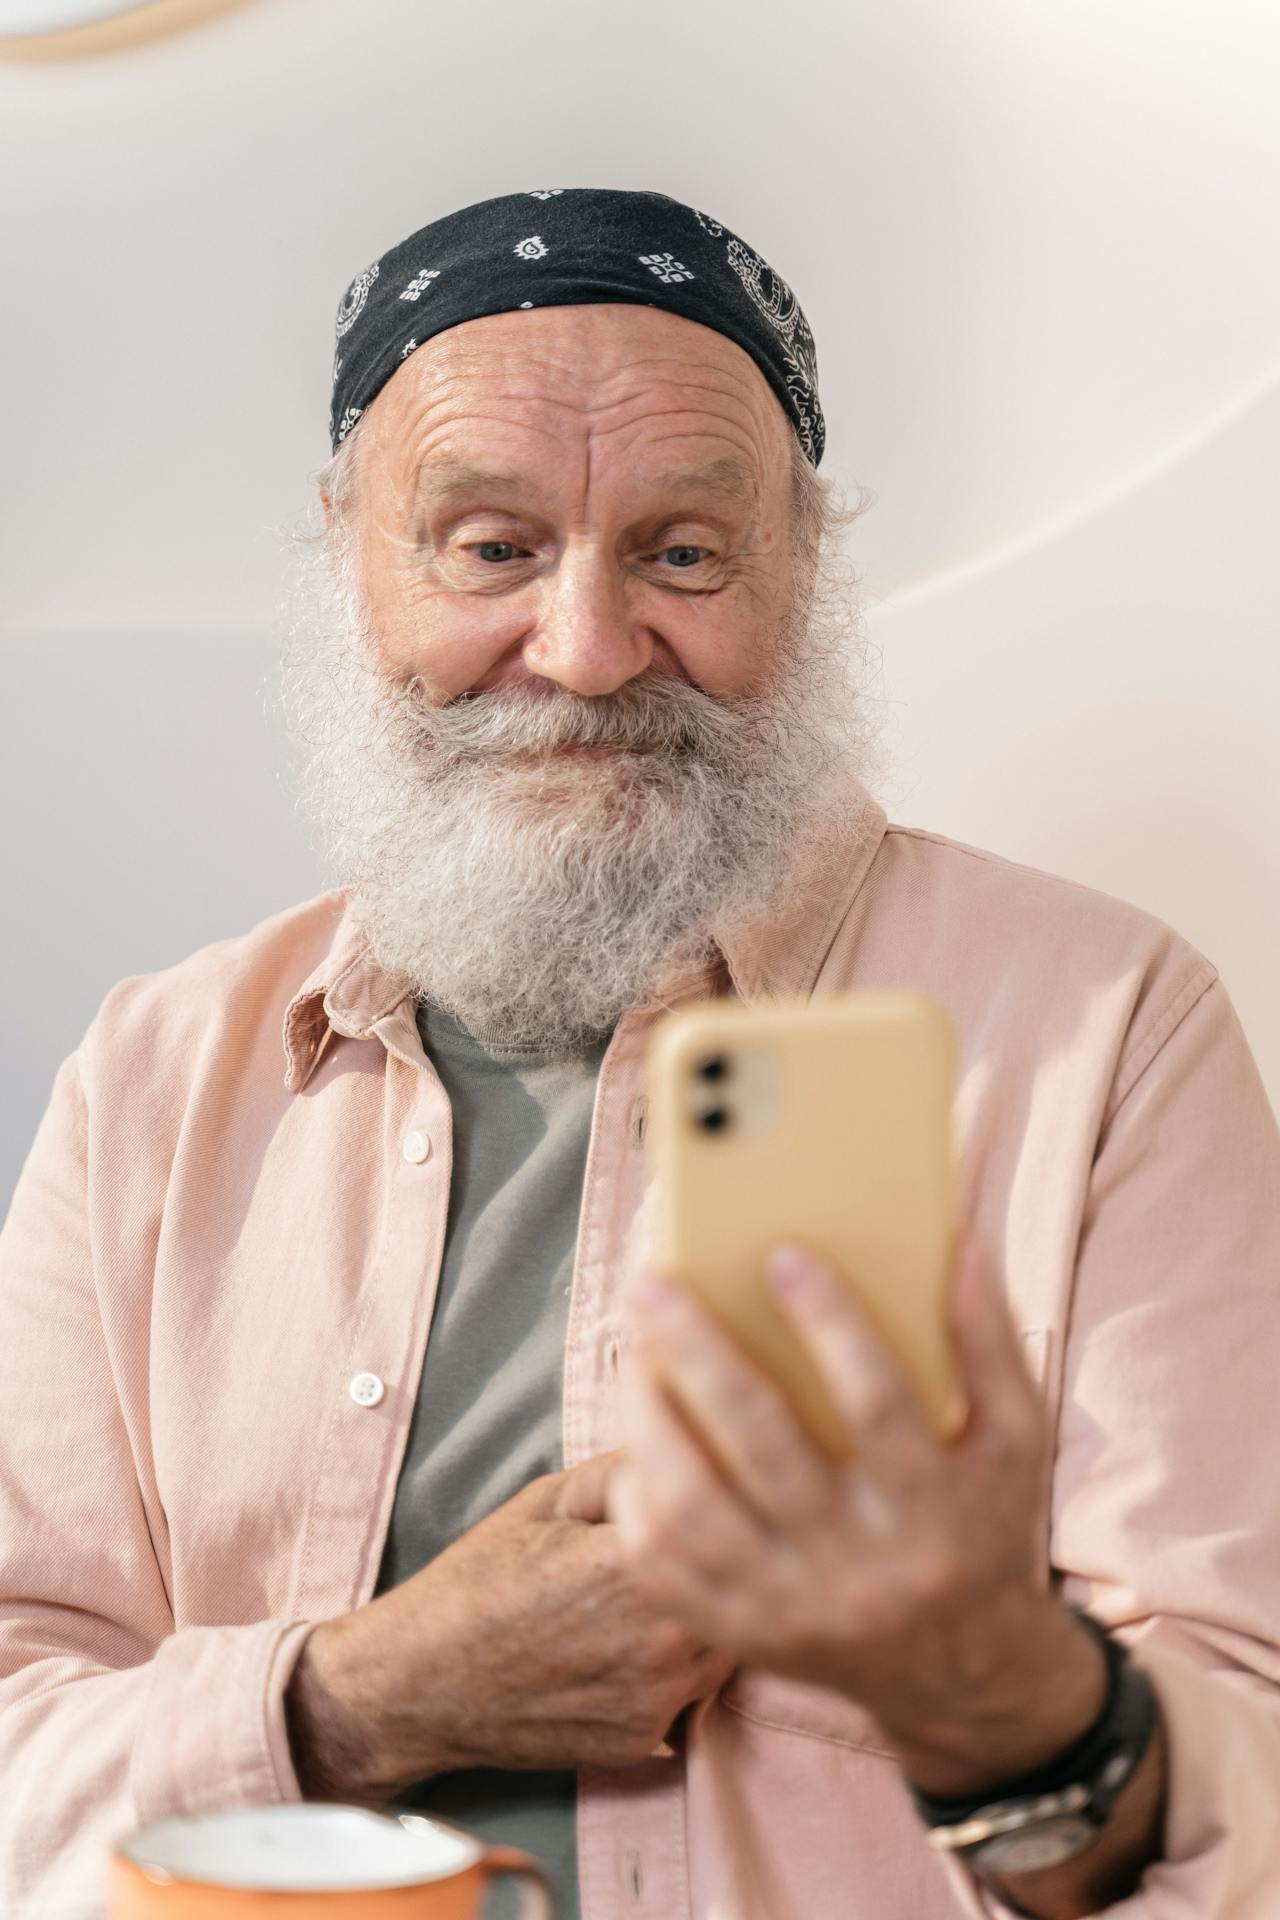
(662, 715)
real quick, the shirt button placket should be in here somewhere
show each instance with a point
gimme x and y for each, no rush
(366, 1389)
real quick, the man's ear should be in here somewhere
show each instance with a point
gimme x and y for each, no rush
(327, 504)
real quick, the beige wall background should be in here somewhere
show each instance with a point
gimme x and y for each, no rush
(1036, 240)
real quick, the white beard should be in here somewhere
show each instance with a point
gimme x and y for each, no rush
(537, 896)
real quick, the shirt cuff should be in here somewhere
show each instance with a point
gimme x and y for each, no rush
(213, 1728)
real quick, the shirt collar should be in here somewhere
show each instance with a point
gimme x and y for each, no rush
(348, 992)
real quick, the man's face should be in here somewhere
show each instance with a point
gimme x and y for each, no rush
(576, 495)
(568, 714)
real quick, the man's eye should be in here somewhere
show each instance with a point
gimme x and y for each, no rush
(496, 551)
(683, 556)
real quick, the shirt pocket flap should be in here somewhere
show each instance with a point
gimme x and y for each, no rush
(796, 1706)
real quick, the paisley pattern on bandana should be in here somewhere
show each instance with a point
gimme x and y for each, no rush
(597, 244)
(351, 305)
(774, 299)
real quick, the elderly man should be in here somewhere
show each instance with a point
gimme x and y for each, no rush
(352, 1451)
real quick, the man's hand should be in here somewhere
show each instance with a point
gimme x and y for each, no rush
(527, 1643)
(906, 1579)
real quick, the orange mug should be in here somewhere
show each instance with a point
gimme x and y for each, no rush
(312, 1860)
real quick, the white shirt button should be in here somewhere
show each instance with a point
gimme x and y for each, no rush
(417, 1145)
(366, 1389)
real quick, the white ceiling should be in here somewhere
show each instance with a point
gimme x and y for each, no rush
(1036, 240)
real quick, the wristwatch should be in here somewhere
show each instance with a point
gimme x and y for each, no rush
(1050, 1815)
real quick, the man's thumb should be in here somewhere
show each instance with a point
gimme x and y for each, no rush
(581, 1494)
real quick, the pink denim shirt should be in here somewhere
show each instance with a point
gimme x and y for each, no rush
(234, 1207)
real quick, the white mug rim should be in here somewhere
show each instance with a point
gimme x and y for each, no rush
(144, 1848)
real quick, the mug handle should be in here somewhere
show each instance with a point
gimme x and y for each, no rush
(538, 1903)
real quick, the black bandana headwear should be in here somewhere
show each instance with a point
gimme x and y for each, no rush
(565, 247)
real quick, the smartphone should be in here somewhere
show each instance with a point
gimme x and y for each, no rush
(825, 1123)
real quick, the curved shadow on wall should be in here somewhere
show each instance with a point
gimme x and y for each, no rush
(1103, 502)
(158, 21)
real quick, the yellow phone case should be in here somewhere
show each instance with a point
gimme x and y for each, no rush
(835, 1133)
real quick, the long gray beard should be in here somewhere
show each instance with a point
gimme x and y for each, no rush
(535, 896)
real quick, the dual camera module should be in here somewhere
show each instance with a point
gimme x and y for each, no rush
(711, 1075)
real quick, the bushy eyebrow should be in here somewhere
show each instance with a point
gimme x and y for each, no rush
(445, 480)
(731, 479)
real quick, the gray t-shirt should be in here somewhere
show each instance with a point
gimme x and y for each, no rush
(488, 1415)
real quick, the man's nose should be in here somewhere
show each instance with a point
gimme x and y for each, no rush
(589, 638)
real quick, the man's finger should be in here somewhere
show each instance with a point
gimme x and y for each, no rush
(742, 1419)
(867, 1386)
(684, 1503)
(987, 1343)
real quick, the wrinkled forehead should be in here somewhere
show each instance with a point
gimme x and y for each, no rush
(626, 379)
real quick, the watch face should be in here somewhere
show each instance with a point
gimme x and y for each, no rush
(1046, 1843)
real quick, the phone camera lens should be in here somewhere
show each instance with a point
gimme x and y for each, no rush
(714, 1068)
(715, 1119)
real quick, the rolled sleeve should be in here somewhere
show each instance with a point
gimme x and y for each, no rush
(1166, 1497)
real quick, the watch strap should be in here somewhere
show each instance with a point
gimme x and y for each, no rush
(1084, 1779)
